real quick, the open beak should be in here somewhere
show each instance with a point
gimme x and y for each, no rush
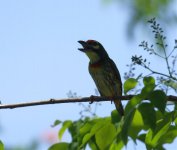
(84, 45)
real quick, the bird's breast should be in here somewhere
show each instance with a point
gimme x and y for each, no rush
(106, 77)
(95, 65)
(104, 80)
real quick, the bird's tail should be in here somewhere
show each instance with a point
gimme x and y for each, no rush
(119, 107)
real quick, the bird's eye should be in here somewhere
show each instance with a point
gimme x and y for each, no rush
(94, 43)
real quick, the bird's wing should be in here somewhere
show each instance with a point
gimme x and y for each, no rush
(116, 73)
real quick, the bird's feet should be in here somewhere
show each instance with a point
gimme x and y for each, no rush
(92, 99)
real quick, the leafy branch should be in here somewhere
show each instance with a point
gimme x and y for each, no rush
(142, 62)
(146, 119)
(166, 79)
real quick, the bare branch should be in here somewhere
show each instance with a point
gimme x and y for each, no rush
(73, 100)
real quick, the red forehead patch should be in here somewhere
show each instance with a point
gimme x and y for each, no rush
(90, 41)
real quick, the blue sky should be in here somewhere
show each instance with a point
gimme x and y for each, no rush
(39, 58)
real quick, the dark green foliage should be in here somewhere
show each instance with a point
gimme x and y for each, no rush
(146, 110)
(145, 120)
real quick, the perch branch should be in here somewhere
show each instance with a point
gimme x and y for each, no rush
(73, 100)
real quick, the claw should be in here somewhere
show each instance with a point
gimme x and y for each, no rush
(92, 97)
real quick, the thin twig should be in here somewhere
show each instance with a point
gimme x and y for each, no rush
(155, 72)
(171, 52)
(73, 100)
(158, 55)
(166, 59)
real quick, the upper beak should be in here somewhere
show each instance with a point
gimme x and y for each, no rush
(84, 45)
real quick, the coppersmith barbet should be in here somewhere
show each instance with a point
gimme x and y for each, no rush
(103, 71)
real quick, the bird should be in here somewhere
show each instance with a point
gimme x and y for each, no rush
(103, 71)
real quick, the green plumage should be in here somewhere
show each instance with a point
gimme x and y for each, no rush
(108, 81)
(104, 72)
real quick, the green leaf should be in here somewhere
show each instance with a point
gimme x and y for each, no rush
(142, 137)
(129, 84)
(169, 136)
(57, 122)
(85, 128)
(93, 145)
(148, 139)
(118, 143)
(160, 132)
(136, 125)
(162, 126)
(126, 125)
(170, 83)
(65, 126)
(117, 146)
(86, 138)
(105, 136)
(59, 146)
(149, 85)
(148, 81)
(132, 104)
(75, 127)
(148, 114)
(115, 116)
(159, 99)
(159, 115)
(1, 146)
(175, 108)
(98, 123)
(146, 91)
(175, 115)
(76, 137)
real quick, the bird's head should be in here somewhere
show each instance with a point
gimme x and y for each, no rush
(94, 50)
